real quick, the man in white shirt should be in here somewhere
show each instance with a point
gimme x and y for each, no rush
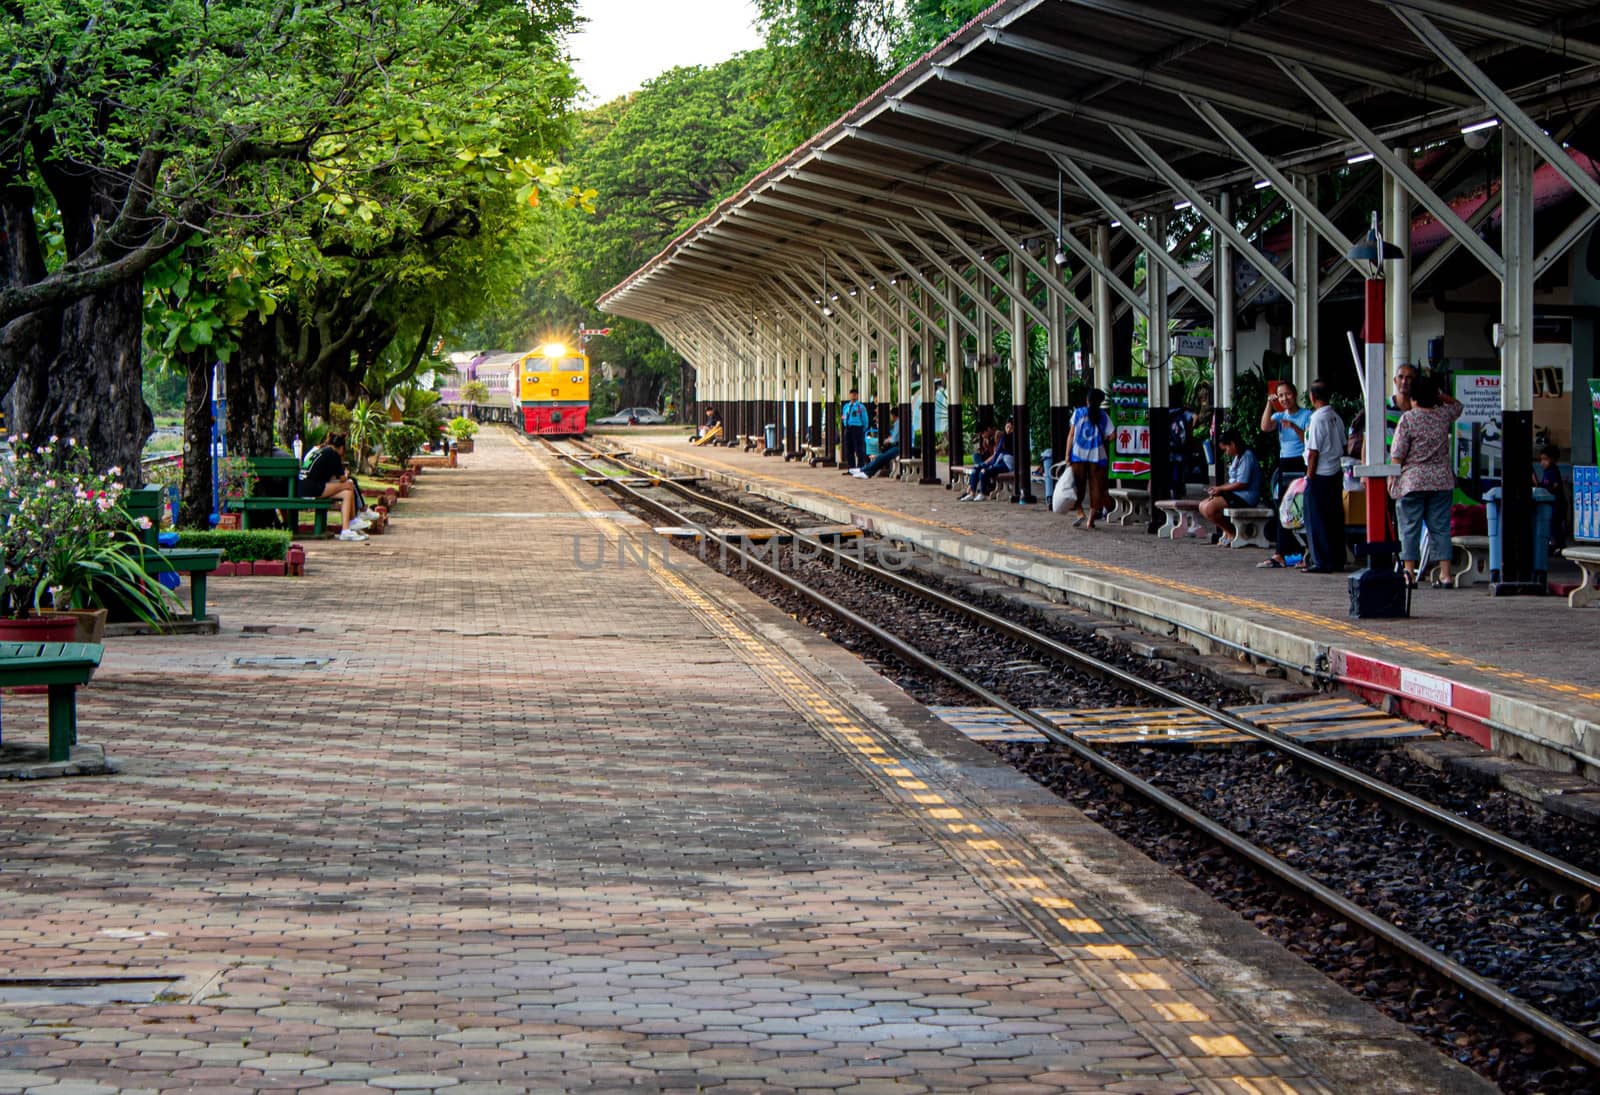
(1325, 441)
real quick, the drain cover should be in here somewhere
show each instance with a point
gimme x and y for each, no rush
(279, 661)
(84, 990)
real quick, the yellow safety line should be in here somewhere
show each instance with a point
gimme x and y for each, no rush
(972, 835)
(1351, 630)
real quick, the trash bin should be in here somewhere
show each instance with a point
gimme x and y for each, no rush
(772, 436)
(1543, 513)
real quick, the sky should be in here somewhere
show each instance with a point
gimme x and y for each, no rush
(625, 42)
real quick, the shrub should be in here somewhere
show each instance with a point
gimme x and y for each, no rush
(463, 429)
(240, 545)
(402, 442)
(475, 391)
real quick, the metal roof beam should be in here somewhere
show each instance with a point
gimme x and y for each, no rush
(1019, 253)
(1393, 164)
(1073, 109)
(889, 171)
(1151, 78)
(941, 156)
(1547, 40)
(924, 284)
(1039, 315)
(828, 182)
(1156, 248)
(978, 294)
(1087, 257)
(1509, 112)
(886, 284)
(1235, 37)
(1246, 250)
(1021, 140)
(1558, 247)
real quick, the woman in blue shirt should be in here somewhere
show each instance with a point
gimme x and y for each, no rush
(1284, 416)
(981, 483)
(1243, 488)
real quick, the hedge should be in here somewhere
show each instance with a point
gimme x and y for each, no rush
(240, 545)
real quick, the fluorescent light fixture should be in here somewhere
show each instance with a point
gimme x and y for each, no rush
(1183, 205)
(1487, 123)
(1263, 184)
(1116, 224)
(1361, 157)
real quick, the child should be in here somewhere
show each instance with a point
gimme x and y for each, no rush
(1549, 477)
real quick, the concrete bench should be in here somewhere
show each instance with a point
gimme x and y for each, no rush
(1469, 560)
(1250, 525)
(958, 474)
(817, 454)
(753, 441)
(1588, 560)
(1182, 519)
(1130, 506)
(61, 668)
(906, 467)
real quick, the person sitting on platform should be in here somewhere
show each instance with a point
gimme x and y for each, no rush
(1242, 489)
(886, 454)
(326, 477)
(980, 483)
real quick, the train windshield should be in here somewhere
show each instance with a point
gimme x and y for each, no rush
(571, 365)
(537, 365)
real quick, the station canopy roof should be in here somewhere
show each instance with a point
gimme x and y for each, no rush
(1036, 105)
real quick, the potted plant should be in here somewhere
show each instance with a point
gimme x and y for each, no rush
(462, 431)
(67, 546)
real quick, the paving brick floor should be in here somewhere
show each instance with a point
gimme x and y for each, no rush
(1533, 648)
(525, 823)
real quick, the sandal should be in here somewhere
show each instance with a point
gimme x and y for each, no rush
(1440, 583)
(1411, 579)
(1270, 564)
(1077, 522)
(1226, 541)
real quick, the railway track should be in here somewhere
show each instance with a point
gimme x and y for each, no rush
(661, 494)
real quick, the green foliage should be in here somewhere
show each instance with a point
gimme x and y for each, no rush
(239, 545)
(367, 423)
(235, 478)
(423, 412)
(475, 391)
(401, 442)
(463, 429)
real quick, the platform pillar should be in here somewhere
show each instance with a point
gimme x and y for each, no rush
(1158, 341)
(1225, 369)
(1516, 363)
(1022, 492)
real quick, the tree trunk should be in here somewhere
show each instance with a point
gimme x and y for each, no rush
(27, 344)
(91, 389)
(251, 379)
(194, 499)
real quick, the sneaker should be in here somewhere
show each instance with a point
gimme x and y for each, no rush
(368, 514)
(858, 473)
(350, 535)
(357, 524)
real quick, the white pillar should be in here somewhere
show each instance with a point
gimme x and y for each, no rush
(1397, 230)
(1306, 279)
(1104, 316)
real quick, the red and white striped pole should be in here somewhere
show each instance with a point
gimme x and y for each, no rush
(1375, 449)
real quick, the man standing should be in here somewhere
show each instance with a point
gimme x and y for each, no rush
(1325, 440)
(853, 417)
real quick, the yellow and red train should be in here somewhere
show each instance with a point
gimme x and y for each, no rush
(553, 391)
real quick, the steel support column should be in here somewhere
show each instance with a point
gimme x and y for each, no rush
(1397, 229)
(1225, 365)
(1516, 362)
(1306, 300)
(1103, 317)
(1022, 491)
(955, 366)
(1157, 355)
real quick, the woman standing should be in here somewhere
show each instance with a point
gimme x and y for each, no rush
(1427, 481)
(1089, 457)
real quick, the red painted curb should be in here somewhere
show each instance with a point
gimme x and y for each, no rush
(1425, 697)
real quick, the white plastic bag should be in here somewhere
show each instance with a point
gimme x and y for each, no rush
(1291, 511)
(1065, 496)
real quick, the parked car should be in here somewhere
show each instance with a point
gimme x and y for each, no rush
(640, 416)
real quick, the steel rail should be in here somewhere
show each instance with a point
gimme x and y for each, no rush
(1554, 874)
(1496, 998)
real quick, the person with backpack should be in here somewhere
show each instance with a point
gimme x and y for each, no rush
(1089, 458)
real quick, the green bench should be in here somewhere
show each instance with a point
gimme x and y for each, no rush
(253, 506)
(60, 667)
(196, 563)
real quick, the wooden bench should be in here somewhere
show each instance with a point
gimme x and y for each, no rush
(1588, 560)
(60, 667)
(1130, 506)
(1469, 560)
(1250, 525)
(1182, 519)
(197, 564)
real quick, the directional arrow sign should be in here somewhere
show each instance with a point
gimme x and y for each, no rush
(1131, 467)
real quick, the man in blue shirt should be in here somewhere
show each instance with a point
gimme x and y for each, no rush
(886, 453)
(853, 417)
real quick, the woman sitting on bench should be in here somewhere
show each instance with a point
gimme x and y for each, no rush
(981, 483)
(327, 478)
(1242, 490)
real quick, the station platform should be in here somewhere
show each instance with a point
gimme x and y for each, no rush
(484, 805)
(1517, 673)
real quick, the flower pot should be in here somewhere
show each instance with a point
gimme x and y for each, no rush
(39, 629)
(464, 446)
(89, 624)
(230, 521)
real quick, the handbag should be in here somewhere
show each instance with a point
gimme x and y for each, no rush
(1065, 496)
(1292, 510)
